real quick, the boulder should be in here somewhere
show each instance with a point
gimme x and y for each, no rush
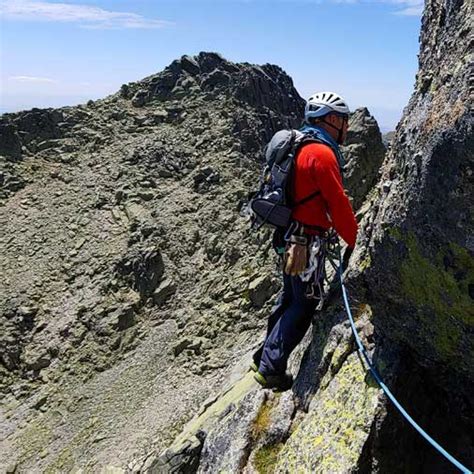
(140, 98)
(10, 143)
(414, 262)
(419, 230)
(184, 460)
(260, 290)
(165, 289)
(142, 269)
(191, 343)
(36, 358)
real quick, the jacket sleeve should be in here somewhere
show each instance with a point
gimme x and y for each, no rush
(339, 208)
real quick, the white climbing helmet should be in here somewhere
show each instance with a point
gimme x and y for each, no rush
(323, 103)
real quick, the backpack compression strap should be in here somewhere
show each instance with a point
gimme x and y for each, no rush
(307, 198)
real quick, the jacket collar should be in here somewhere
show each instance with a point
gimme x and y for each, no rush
(324, 136)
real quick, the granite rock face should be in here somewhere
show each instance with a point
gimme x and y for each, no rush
(410, 283)
(416, 258)
(420, 228)
(130, 284)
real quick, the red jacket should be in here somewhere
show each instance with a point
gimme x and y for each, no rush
(316, 168)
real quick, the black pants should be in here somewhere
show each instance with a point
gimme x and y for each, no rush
(290, 319)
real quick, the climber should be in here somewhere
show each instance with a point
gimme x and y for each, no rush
(316, 167)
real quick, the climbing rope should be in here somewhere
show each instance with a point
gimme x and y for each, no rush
(387, 392)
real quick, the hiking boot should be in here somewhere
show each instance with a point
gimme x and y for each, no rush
(277, 382)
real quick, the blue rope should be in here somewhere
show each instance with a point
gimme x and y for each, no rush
(387, 392)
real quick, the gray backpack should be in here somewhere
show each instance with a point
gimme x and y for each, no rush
(272, 205)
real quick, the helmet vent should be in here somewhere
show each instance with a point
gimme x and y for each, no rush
(323, 103)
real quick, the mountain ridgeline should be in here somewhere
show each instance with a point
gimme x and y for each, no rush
(133, 294)
(410, 281)
(130, 283)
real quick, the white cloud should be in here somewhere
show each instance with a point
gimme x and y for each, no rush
(32, 79)
(86, 16)
(410, 11)
(414, 10)
(407, 7)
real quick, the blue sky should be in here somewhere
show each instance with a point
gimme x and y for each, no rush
(65, 52)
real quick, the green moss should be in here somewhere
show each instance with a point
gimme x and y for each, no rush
(440, 286)
(331, 436)
(428, 283)
(462, 267)
(365, 263)
(63, 463)
(34, 439)
(262, 419)
(266, 458)
(246, 295)
(395, 232)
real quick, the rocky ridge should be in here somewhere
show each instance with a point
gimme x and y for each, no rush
(364, 152)
(410, 282)
(130, 284)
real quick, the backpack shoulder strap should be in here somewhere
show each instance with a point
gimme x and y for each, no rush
(318, 138)
(306, 139)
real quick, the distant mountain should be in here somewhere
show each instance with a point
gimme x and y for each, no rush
(387, 138)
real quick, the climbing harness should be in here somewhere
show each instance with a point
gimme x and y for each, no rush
(304, 255)
(315, 272)
(313, 260)
(365, 355)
